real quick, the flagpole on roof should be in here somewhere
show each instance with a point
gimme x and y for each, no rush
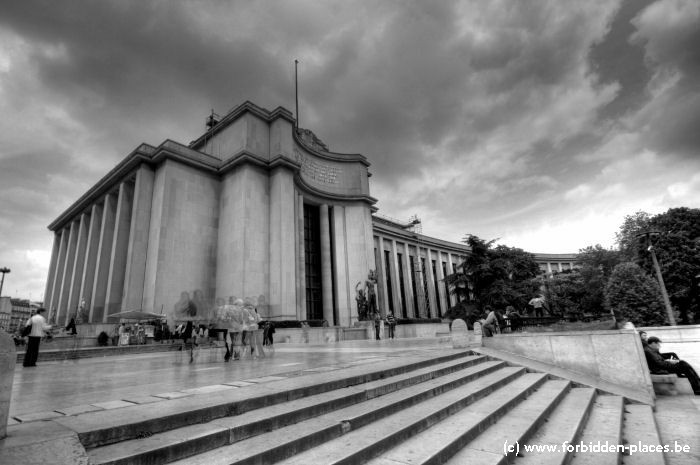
(296, 93)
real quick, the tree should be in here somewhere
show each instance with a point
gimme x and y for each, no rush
(565, 293)
(496, 276)
(627, 238)
(596, 264)
(676, 241)
(633, 295)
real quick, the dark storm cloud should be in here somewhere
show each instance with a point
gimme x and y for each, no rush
(616, 59)
(131, 61)
(670, 32)
(525, 120)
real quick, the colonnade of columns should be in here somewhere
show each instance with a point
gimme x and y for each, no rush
(95, 251)
(411, 278)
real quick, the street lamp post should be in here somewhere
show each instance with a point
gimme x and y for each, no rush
(3, 270)
(664, 294)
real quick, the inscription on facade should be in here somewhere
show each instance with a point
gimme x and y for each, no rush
(316, 170)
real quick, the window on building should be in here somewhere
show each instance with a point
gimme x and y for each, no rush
(312, 256)
(389, 291)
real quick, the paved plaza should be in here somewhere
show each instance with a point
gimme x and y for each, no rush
(106, 382)
(71, 387)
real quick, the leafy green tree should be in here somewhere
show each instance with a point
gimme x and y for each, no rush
(565, 293)
(596, 264)
(676, 241)
(627, 237)
(496, 276)
(633, 295)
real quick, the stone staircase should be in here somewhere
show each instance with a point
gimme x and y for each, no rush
(457, 409)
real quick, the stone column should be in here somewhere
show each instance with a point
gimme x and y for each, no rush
(450, 270)
(344, 292)
(120, 245)
(8, 360)
(282, 257)
(301, 260)
(77, 275)
(62, 310)
(99, 289)
(421, 311)
(432, 292)
(137, 250)
(326, 268)
(48, 293)
(58, 273)
(408, 283)
(440, 291)
(395, 281)
(382, 295)
(93, 242)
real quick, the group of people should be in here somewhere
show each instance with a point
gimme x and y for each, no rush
(493, 321)
(390, 322)
(667, 362)
(243, 330)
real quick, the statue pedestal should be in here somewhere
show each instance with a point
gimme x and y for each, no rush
(8, 360)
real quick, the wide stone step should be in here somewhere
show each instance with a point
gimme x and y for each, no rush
(642, 436)
(603, 428)
(285, 442)
(477, 433)
(108, 427)
(433, 419)
(194, 439)
(564, 426)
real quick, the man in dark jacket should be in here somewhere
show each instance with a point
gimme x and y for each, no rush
(657, 364)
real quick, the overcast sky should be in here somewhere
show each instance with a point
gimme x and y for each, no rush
(539, 123)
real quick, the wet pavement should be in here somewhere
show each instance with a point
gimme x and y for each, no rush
(61, 385)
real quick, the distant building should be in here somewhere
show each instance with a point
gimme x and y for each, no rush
(5, 313)
(555, 263)
(15, 312)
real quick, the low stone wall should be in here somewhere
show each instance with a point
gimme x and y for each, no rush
(363, 332)
(675, 334)
(613, 356)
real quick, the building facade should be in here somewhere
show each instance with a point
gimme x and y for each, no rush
(555, 263)
(255, 208)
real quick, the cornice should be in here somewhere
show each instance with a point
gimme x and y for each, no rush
(416, 238)
(140, 154)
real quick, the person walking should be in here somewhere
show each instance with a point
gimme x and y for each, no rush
(39, 328)
(377, 325)
(391, 322)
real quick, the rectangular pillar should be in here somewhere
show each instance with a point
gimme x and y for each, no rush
(395, 285)
(282, 257)
(120, 246)
(92, 247)
(137, 249)
(344, 297)
(431, 284)
(326, 267)
(58, 274)
(62, 310)
(301, 257)
(407, 283)
(46, 298)
(99, 290)
(79, 263)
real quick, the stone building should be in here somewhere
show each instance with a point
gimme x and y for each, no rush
(254, 208)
